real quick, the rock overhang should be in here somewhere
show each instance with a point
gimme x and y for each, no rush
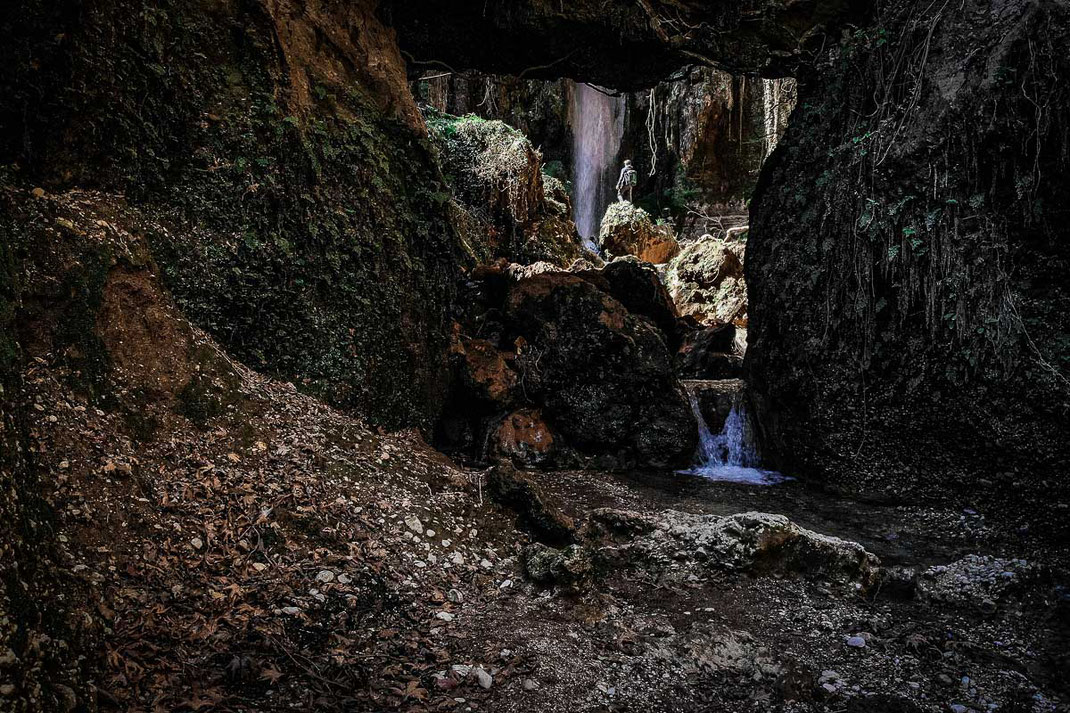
(624, 45)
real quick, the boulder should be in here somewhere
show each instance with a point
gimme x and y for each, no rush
(524, 438)
(602, 376)
(684, 543)
(706, 280)
(536, 513)
(629, 230)
(483, 369)
(517, 272)
(570, 568)
(710, 353)
(637, 286)
(496, 177)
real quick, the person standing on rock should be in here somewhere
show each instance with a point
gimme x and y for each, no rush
(626, 183)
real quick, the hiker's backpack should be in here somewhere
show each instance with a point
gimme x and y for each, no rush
(632, 177)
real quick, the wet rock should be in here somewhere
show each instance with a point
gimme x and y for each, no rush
(753, 541)
(602, 376)
(514, 489)
(706, 281)
(569, 568)
(629, 230)
(716, 398)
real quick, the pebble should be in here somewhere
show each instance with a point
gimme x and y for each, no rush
(486, 564)
(857, 642)
(413, 523)
(292, 611)
(530, 685)
(958, 708)
(455, 596)
(444, 616)
(197, 543)
(484, 678)
(461, 670)
(325, 576)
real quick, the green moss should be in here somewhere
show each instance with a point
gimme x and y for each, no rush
(313, 243)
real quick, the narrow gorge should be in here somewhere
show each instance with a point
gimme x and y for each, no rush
(588, 357)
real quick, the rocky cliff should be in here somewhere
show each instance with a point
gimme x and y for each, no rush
(618, 44)
(907, 258)
(302, 217)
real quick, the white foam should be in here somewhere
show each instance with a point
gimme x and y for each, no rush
(730, 455)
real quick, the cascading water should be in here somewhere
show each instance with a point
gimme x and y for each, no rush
(730, 455)
(597, 121)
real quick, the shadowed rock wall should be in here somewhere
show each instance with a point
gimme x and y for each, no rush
(907, 257)
(310, 230)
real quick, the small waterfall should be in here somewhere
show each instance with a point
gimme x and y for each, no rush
(729, 455)
(597, 121)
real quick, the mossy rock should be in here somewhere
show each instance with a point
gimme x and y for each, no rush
(629, 230)
(496, 174)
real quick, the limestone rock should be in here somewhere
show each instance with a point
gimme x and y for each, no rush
(524, 437)
(706, 280)
(711, 353)
(569, 568)
(512, 488)
(751, 541)
(637, 286)
(601, 375)
(629, 230)
(496, 176)
(483, 370)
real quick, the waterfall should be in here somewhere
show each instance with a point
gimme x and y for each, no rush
(729, 455)
(597, 121)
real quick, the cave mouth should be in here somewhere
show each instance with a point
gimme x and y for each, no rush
(696, 143)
